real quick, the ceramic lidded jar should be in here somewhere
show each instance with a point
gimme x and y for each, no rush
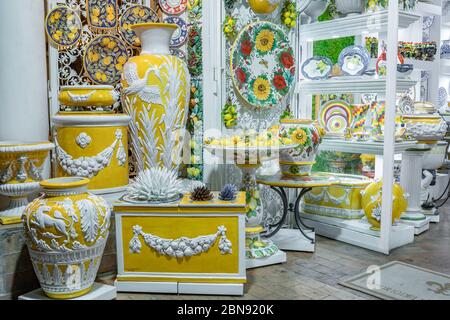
(156, 92)
(306, 135)
(66, 231)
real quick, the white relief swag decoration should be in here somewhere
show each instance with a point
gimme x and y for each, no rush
(181, 247)
(89, 167)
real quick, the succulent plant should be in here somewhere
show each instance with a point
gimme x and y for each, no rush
(228, 193)
(201, 194)
(155, 185)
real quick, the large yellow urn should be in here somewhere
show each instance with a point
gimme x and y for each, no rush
(94, 146)
(371, 202)
(66, 231)
(155, 94)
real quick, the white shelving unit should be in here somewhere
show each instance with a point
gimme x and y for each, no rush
(390, 26)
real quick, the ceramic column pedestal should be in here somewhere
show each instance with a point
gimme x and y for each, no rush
(411, 179)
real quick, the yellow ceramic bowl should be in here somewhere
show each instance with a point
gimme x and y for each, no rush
(263, 6)
(88, 96)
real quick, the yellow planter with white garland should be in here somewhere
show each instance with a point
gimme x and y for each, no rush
(181, 247)
(342, 200)
(94, 146)
(88, 96)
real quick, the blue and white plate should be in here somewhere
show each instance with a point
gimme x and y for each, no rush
(427, 22)
(442, 97)
(317, 68)
(354, 60)
(180, 35)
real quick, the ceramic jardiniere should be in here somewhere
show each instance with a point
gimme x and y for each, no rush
(371, 203)
(341, 201)
(93, 146)
(425, 128)
(156, 93)
(66, 231)
(81, 97)
(307, 136)
(263, 6)
(21, 169)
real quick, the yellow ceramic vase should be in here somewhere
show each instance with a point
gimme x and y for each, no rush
(93, 146)
(371, 202)
(264, 6)
(66, 231)
(21, 169)
(156, 92)
(88, 96)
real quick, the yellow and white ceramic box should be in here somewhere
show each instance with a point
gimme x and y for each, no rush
(184, 247)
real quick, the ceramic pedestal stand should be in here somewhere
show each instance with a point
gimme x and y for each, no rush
(411, 179)
(259, 252)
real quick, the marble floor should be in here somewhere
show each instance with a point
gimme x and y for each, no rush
(316, 276)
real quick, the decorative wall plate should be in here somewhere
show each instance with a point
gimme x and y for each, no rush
(262, 64)
(180, 35)
(354, 60)
(133, 15)
(406, 105)
(442, 97)
(335, 117)
(317, 68)
(173, 6)
(63, 27)
(178, 53)
(104, 58)
(102, 14)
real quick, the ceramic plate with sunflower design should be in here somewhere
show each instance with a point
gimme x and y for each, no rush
(180, 35)
(134, 15)
(102, 14)
(173, 6)
(104, 58)
(262, 64)
(335, 117)
(63, 27)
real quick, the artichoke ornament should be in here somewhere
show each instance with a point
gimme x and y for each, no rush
(228, 193)
(201, 194)
(155, 185)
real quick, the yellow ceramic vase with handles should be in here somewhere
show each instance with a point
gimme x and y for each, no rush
(372, 204)
(264, 6)
(66, 231)
(155, 94)
(93, 146)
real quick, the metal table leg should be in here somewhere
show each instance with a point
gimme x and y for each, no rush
(278, 225)
(301, 226)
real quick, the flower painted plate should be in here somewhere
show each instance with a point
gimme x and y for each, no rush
(354, 60)
(335, 116)
(63, 27)
(104, 58)
(317, 68)
(102, 14)
(180, 35)
(133, 15)
(262, 65)
(173, 6)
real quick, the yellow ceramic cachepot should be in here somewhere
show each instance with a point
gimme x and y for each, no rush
(156, 92)
(425, 128)
(342, 200)
(94, 146)
(88, 96)
(371, 202)
(66, 231)
(21, 169)
(264, 6)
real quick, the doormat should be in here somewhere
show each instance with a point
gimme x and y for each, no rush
(401, 281)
